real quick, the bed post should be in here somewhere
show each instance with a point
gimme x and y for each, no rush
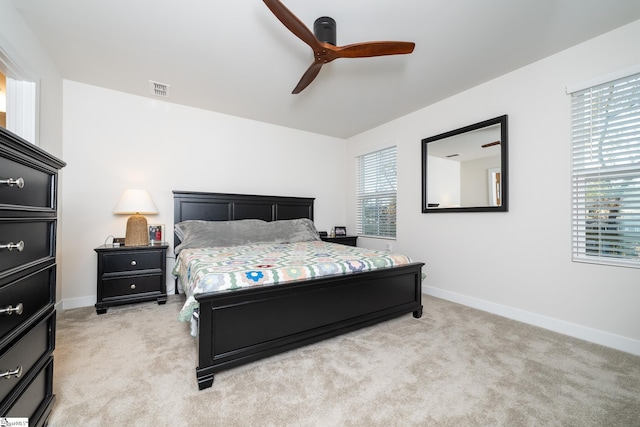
(204, 371)
(418, 313)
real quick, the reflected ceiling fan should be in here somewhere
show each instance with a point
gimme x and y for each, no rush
(323, 42)
(490, 144)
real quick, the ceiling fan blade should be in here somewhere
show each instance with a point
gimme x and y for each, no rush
(308, 77)
(490, 144)
(368, 49)
(295, 25)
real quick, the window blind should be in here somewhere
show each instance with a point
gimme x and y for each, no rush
(605, 135)
(377, 186)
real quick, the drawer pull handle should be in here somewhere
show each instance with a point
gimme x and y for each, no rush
(134, 262)
(10, 310)
(133, 286)
(16, 373)
(11, 246)
(11, 182)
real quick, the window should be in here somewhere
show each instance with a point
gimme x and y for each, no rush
(605, 137)
(18, 100)
(377, 193)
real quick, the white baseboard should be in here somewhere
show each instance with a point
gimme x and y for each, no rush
(574, 330)
(70, 303)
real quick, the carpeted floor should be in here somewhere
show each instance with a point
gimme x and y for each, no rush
(455, 366)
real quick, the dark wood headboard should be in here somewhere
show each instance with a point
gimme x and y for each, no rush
(231, 207)
(190, 205)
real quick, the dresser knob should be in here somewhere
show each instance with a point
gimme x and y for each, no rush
(11, 182)
(16, 373)
(10, 309)
(133, 286)
(11, 246)
(134, 262)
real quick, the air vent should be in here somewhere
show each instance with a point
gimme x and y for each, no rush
(159, 89)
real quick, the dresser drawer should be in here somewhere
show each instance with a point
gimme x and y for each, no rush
(132, 261)
(37, 191)
(25, 353)
(34, 292)
(28, 241)
(132, 285)
(35, 399)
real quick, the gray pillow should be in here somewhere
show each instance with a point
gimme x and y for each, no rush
(206, 234)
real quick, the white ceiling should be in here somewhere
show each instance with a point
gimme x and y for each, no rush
(235, 57)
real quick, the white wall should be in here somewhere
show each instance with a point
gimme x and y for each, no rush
(22, 48)
(474, 187)
(114, 141)
(448, 172)
(518, 263)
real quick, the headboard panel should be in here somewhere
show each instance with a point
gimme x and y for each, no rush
(188, 205)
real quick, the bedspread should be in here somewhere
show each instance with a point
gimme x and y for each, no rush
(206, 270)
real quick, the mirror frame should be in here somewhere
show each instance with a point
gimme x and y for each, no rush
(504, 167)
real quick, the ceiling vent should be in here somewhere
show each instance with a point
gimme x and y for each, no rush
(159, 89)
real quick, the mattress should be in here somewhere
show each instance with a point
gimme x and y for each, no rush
(224, 269)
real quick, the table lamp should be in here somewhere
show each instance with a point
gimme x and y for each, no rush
(135, 203)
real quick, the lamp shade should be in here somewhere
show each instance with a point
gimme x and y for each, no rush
(136, 202)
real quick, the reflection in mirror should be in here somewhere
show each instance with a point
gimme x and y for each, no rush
(465, 170)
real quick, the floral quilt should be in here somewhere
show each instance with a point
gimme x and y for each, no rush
(206, 270)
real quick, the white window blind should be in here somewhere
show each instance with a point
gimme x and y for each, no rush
(377, 186)
(605, 136)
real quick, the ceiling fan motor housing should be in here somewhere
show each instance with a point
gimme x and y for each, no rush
(324, 28)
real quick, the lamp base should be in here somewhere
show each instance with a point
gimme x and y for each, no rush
(137, 231)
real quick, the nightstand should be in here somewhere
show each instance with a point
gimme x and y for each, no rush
(129, 274)
(343, 240)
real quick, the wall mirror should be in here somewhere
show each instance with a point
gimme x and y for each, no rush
(466, 170)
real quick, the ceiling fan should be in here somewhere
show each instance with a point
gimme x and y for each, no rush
(323, 42)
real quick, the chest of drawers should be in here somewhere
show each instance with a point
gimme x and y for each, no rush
(129, 274)
(28, 220)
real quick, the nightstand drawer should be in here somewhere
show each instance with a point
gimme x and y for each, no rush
(132, 261)
(37, 189)
(131, 285)
(24, 298)
(27, 241)
(25, 353)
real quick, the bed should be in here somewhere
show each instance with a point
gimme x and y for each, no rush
(245, 324)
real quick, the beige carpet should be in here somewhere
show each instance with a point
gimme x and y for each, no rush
(456, 366)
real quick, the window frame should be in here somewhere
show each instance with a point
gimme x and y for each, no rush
(605, 170)
(22, 91)
(379, 191)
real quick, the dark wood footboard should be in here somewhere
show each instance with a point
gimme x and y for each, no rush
(246, 325)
